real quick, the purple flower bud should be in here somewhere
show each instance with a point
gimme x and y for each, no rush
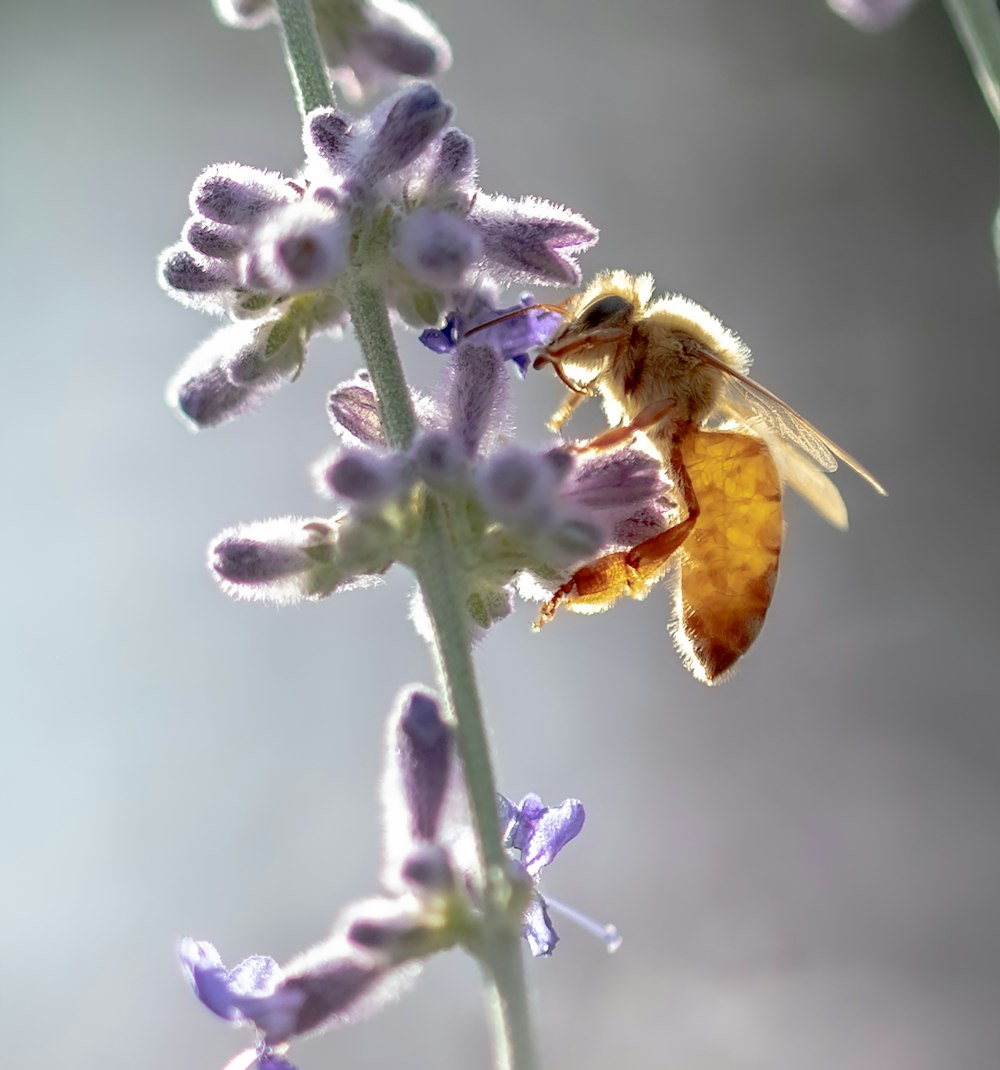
(270, 559)
(428, 869)
(437, 247)
(354, 411)
(202, 390)
(625, 477)
(441, 460)
(531, 240)
(871, 15)
(414, 118)
(325, 994)
(476, 394)
(396, 931)
(326, 134)
(209, 399)
(302, 247)
(456, 161)
(366, 478)
(182, 270)
(401, 38)
(418, 765)
(214, 240)
(242, 560)
(518, 487)
(236, 194)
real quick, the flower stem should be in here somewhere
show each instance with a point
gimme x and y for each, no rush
(371, 324)
(304, 56)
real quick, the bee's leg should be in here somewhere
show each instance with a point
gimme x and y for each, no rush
(599, 584)
(648, 417)
(565, 411)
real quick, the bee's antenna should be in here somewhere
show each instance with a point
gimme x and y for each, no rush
(516, 312)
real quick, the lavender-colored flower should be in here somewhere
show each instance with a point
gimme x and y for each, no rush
(871, 15)
(513, 336)
(368, 44)
(538, 833)
(249, 992)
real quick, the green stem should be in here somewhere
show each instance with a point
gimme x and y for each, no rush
(371, 324)
(977, 23)
(304, 56)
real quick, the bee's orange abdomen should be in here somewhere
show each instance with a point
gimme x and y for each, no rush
(729, 563)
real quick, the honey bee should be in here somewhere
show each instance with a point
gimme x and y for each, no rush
(667, 370)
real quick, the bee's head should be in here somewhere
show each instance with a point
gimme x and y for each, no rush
(593, 331)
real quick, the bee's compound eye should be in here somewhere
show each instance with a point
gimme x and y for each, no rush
(604, 312)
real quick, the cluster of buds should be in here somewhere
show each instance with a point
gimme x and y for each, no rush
(390, 198)
(430, 900)
(525, 517)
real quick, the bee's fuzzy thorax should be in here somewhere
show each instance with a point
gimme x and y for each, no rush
(688, 316)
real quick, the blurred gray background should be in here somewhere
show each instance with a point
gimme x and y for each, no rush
(805, 862)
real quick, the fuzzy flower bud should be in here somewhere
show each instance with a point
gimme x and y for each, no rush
(367, 479)
(419, 760)
(517, 487)
(531, 240)
(202, 391)
(236, 194)
(414, 118)
(441, 461)
(326, 134)
(302, 247)
(437, 248)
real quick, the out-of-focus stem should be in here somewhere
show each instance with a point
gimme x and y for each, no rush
(977, 23)
(304, 56)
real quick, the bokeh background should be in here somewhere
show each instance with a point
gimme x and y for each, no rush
(805, 863)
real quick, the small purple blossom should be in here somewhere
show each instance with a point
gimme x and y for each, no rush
(248, 992)
(538, 833)
(512, 337)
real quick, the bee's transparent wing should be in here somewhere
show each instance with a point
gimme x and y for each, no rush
(746, 398)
